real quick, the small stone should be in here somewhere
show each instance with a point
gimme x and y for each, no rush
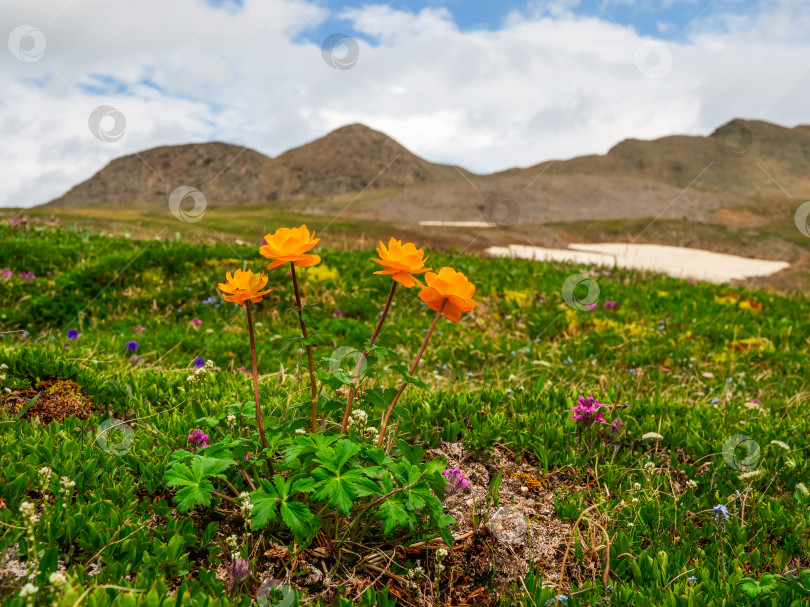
(508, 526)
(524, 489)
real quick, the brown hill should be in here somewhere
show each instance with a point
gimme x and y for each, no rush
(348, 159)
(744, 158)
(676, 176)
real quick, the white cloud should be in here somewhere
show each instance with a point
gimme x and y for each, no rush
(544, 85)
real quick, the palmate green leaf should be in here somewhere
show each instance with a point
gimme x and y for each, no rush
(296, 516)
(265, 503)
(340, 489)
(393, 513)
(334, 458)
(210, 466)
(198, 494)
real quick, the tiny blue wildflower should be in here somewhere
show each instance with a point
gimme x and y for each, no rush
(721, 512)
(715, 401)
(560, 599)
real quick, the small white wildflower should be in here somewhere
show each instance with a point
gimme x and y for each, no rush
(209, 364)
(690, 484)
(789, 463)
(634, 500)
(28, 511)
(29, 590)
(4, 366)
(7, 390)
(752, 474)
(66, 483)
(231, 419)
(191, 378)
(371, 432)
(802, 488)
(358, 418)
(649, 467)
(44, 475)
(779, 443)
(631, 525)
(440, 554)
(652, 436)
(2, 378)
(636, 486)
(300, 431)
(57, 579)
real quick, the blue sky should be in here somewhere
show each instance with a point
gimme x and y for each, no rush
(664, 19)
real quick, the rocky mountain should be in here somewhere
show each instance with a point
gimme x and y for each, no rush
(676, 176)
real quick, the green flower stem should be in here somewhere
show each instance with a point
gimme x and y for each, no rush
(362, 359)
(313, 385)
(384, 424)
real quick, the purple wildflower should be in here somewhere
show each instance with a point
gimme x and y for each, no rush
(616, 426)
(456, 480)
(132, 346)
(73, 334)
(247, 455)
(27, 275)
(587, 411)
(140, 329)
(609, 305)
(198, 439)
(6, 273)
(337, 313)
(198, 363)
(591, 307)
(238, 571)
(196, 321)
(15, 222)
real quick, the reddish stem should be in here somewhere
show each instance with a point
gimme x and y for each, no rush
(309, 350)
(259, 421)
(362, 359)
(384, 424)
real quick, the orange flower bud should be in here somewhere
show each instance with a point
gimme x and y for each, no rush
(289, 245)
(400, 261)
(451, 286)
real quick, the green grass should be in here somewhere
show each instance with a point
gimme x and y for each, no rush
(688, 360)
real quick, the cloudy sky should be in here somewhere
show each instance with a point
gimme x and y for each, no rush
(485, 84)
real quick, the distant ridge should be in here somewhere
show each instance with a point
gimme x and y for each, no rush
(674, 176)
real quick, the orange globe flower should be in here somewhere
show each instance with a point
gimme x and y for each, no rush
(451, 286)
(400, 261)
(290, 245)
(243, 285)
